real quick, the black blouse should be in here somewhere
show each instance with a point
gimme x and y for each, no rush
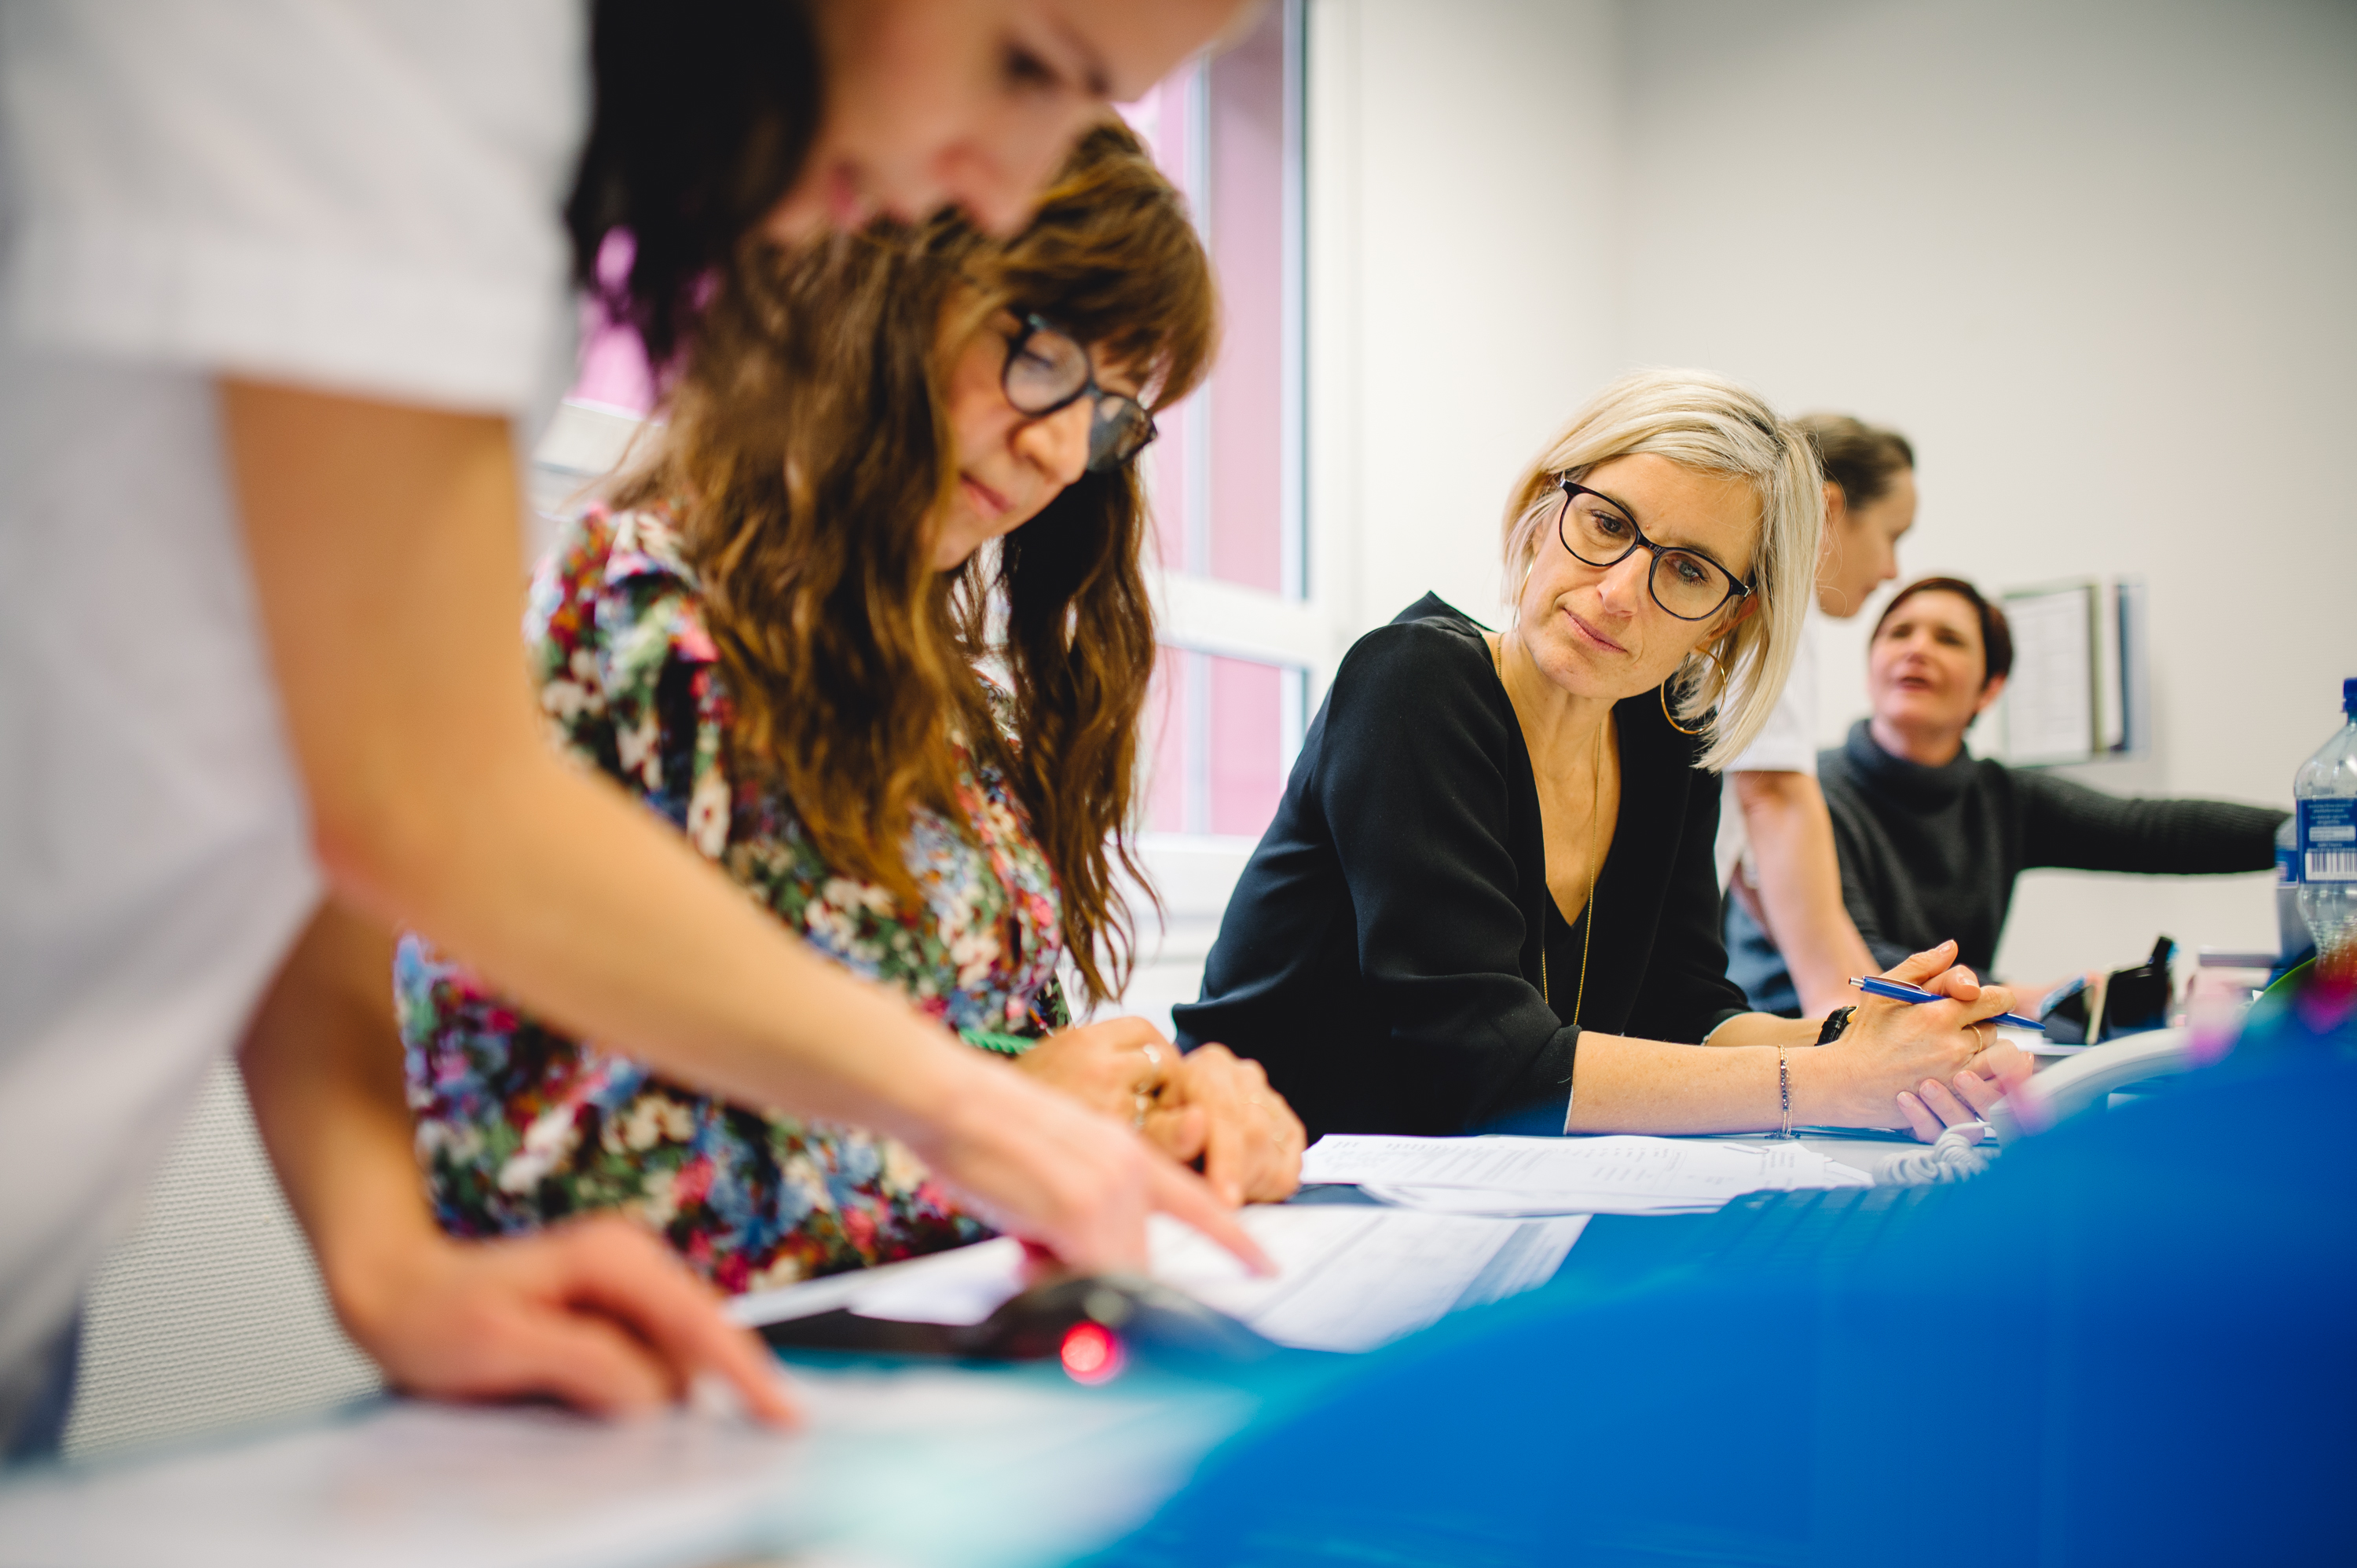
(1381, 957)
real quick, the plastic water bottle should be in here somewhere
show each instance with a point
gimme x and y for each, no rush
(2324, 794)
(2292, 941)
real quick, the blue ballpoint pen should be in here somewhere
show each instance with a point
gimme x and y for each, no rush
(1900, 991)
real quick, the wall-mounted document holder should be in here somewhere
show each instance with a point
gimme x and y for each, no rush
(2081, 684)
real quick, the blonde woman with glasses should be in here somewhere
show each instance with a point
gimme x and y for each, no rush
(1488, 900)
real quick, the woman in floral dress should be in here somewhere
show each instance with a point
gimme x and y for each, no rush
(773, 636)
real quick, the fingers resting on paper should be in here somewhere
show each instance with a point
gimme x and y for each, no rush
(596, 1313)
(1183, 1196)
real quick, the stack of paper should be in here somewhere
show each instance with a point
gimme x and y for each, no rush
(1618, 1175)
(1349, 1277)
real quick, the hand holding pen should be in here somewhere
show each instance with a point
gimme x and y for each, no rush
(1899, 1062)
(1900, 990)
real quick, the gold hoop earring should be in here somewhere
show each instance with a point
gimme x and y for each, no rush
(1716, 663)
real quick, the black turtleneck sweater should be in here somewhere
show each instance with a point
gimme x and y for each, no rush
(1928, 854)
(1382, 955)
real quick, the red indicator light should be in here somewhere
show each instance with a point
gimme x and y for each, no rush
(1091, 1353)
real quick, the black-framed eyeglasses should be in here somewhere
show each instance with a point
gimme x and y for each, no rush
(1049, 370)
(1598, 530)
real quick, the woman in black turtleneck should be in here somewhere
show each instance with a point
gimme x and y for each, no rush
(1931, 838)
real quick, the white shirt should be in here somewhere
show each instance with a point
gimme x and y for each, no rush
(359, 195)
(1787, 743)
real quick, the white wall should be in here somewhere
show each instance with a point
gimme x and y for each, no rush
(1454, 315)
(1459, 301)
(2098, 259)
(2100, 262)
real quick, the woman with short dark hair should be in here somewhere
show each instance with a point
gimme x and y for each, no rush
(1931, 838)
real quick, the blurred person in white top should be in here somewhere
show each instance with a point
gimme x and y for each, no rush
(1786, 876)
(283, 294)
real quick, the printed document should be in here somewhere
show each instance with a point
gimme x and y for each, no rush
(1349, 1276)
(1615, 1174)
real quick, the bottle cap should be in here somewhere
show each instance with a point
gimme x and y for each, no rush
(2349, 695)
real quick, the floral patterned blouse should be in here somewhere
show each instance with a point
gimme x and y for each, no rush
(519, 1125)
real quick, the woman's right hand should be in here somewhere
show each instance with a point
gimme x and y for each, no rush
(1222, 1108)
(1892, 1047)
(1968, 1096)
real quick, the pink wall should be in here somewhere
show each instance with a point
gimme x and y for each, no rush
(1246, 774)
(1247, 190)
(1219, 759)
(1165, 744)
(613, 366)
(1163, 121)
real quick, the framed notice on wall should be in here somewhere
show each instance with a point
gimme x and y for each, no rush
(2080, 688)
(2050, 713)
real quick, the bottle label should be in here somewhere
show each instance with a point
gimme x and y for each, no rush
(2286, 866)
(2328, 840)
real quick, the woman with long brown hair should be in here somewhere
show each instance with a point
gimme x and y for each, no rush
(773, 633)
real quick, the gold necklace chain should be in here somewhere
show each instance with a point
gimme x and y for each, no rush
(1596, 850)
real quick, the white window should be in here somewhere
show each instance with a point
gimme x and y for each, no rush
(1249, 642)
(1249, 624)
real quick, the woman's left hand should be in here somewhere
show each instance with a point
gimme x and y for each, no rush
(1119, 1068)
(1207, 1105)
(1935, 1107)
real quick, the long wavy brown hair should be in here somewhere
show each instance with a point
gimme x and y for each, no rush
(809, 452)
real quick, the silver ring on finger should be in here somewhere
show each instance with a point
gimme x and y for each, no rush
(1140, 1102)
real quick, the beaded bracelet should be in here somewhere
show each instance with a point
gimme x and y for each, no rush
(1785, 1090)
(995, 1043)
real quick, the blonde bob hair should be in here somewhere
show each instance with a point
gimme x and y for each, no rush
(1710, 425)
